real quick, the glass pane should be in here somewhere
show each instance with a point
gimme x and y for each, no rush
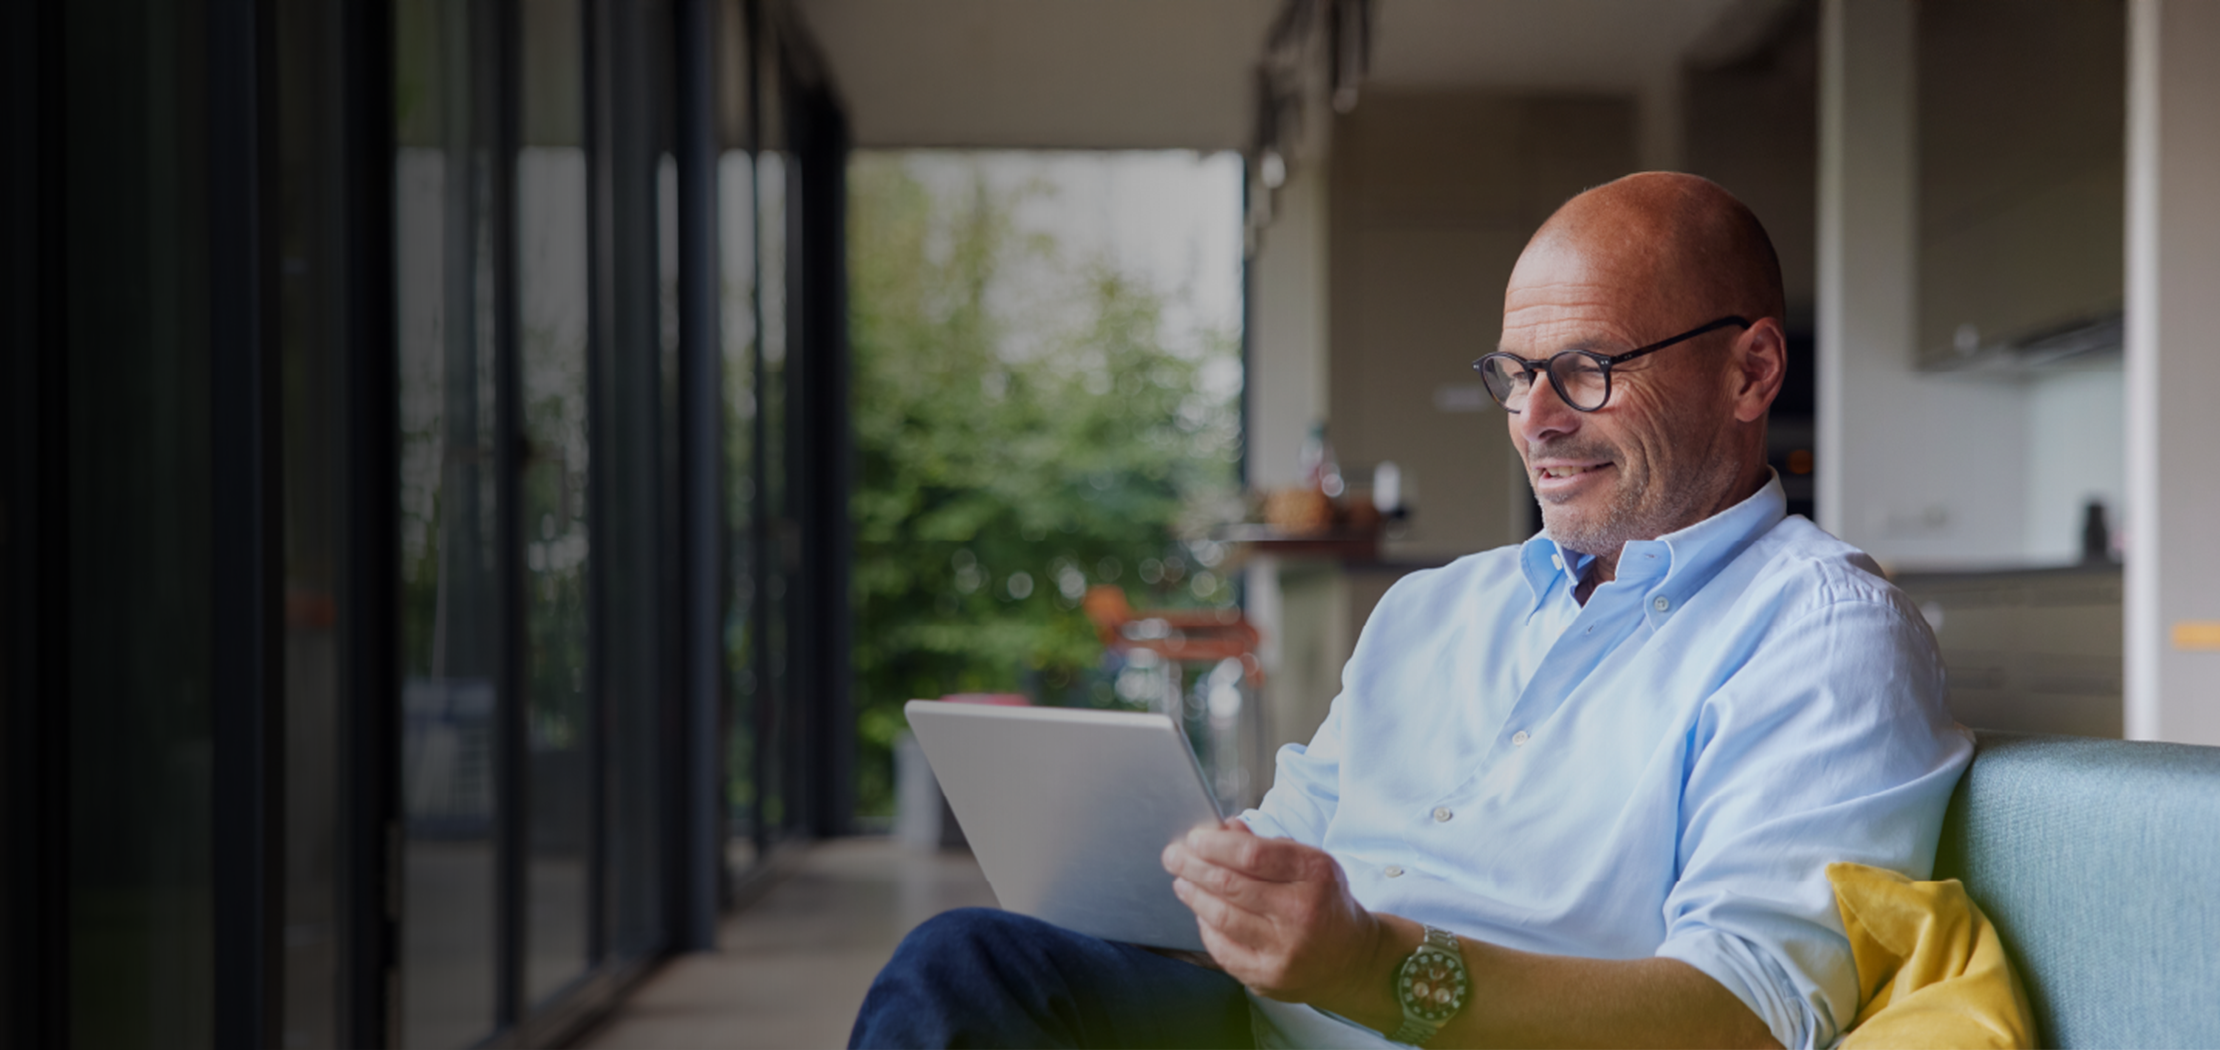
(774, 722)
(140, 937)
(736, 196)
(312, 338)
(444, 299)
(551, 333)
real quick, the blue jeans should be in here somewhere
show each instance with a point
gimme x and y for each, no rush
(981, 977)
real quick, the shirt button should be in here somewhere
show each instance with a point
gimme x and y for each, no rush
(1661, 603)
(1558, 561)
(1442, 814)
(1393, 871)
(1519, 738)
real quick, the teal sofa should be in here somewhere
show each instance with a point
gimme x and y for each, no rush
(2099, 862)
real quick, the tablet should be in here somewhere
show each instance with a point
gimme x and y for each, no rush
(1069, 810)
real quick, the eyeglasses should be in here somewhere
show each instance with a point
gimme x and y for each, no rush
(1582, 377)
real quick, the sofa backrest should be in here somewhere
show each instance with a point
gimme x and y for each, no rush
(2099, 861)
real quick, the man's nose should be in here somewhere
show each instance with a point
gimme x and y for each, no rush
(1546, 415)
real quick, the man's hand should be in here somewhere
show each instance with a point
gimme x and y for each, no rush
(1277, 915)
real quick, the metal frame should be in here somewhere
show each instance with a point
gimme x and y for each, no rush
(759, 520)
(593, 126)
(823, 455)
(497, 99)
(34, 543)
(818, 445)
(697, 853)
(369, 650)
(247, 658)
(632, 564)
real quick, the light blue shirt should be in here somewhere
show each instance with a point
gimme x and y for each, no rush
(1665, 771)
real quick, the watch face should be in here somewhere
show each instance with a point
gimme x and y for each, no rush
(1432, 984)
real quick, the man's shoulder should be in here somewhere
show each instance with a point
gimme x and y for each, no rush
(1797, 563)
(1454, 597)
(1465, 576)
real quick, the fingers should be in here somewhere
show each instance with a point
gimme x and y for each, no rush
(1226, 884)
(1236, 959)
(1224, 915)
(1260, 965)
(1274, 860)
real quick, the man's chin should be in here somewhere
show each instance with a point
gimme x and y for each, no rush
(1580, 533)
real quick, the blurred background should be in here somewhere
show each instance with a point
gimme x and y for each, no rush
(481, 477)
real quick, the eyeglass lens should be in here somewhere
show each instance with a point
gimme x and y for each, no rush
(1580, 381)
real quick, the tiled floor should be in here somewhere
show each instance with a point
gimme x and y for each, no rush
(794, 966)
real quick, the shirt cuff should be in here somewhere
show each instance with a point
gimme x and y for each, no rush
(1263, 825)
(1755, 979)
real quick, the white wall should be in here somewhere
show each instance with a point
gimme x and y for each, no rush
(2076, 443)
(1287, 344)
(2173, 369)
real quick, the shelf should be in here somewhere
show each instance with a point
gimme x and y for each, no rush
(1325, 546)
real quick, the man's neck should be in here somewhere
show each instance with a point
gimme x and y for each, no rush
(1602, 570)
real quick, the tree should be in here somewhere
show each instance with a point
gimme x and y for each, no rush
(1007, 462)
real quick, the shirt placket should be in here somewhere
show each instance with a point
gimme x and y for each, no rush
(1611, 615)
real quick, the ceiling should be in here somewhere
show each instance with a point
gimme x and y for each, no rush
(1539, 45)
(1044, 73)
(1180, 73)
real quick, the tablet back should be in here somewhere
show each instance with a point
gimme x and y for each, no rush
(1068, 810)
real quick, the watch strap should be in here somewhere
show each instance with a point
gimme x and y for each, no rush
(1413, 1032)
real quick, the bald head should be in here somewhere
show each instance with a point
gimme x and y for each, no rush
(1681, 237)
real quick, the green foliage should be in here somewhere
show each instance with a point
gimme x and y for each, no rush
(1005, 463)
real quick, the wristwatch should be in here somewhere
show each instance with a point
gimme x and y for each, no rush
(1431, 986)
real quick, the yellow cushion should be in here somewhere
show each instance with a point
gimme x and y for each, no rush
(1931, 968)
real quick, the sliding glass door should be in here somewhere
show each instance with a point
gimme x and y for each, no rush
(576, 388)
(413, 558)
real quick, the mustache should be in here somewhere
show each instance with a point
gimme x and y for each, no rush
(1572, 448)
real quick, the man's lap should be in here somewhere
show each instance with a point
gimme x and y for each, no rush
(981, 977)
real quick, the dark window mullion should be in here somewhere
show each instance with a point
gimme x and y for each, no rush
(498, 99)
(596, 18)
(247, 658)
(761, 556)
(696, 851)
(826, 750)
(370, 648)
(34, 544)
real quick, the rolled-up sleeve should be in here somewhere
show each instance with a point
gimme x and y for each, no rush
(1831, 744)
(1306, 787)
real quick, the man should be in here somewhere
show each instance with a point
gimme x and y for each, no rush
(1581, 791)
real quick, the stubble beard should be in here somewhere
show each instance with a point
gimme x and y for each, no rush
(1641, 506)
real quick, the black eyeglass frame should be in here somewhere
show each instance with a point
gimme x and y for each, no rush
(1603, 363)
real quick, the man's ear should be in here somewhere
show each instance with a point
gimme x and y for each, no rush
(1757, 365)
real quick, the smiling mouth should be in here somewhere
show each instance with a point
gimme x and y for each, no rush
(1568, 472)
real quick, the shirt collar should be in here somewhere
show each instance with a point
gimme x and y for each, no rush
(1678, 563)
(1545, 563)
